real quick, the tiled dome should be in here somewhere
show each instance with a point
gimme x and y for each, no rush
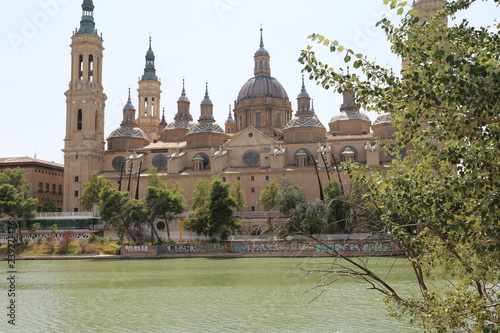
(205, 127)
(261, 87)
(304, 122)
(349, 115)
(128, 132)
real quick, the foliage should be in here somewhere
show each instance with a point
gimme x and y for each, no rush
(290, 196)
(269, 195)
(126, 215)
(338, 206)
(68, 237)
(92, 190)
(309, 217)
(49, 205)
(239, 196)
(212, 206)
(164, 202)
(15, 202)
(440, 201)
(199, 207)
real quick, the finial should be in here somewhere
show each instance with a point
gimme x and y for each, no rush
(261, 37)
(183, 88)
(303, 84)
(206, 90)
(129, 99)
(230, 110)
(150, 37)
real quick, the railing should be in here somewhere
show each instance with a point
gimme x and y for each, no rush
(65, 215)
(258, 214)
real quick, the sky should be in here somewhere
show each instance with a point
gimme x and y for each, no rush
(199, 40)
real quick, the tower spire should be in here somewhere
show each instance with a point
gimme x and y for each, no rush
(87, 24)
(150, 70)
(262, 58)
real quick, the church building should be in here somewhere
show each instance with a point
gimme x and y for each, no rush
(267, 136)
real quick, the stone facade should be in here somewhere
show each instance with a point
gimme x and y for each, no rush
(263, 138)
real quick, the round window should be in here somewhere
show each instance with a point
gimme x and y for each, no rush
(160, 225)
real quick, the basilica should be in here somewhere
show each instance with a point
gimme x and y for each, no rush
(266, 136)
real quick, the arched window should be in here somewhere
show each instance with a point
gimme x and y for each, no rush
(302, 157)
(79, 120)
(91, 68)
(80, 67)
(146, 107)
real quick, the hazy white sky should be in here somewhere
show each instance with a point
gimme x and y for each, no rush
(201, 40)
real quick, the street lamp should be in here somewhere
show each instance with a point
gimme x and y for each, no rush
(322, 150)
(132, 158)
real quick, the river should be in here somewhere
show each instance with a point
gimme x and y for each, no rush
(196, 295)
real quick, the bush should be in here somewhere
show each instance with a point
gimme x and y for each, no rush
(93, 239)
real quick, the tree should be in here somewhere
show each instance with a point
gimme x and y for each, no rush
(290, 196)
(309, 217)
(126, 215)
(15, 202)
(49, 205)
(92, 190)
(221, 218)
(269, 195)
(239, 196)
(212, 207)
(338, 207)
(440, 201)
(164, 203)
(199, 208)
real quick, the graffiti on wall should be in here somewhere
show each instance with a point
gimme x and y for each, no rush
(256, 247)
(371, 247)
(194, 248)
(135, 248)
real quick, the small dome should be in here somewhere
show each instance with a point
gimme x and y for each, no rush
(384, 118)
(183, 98)
(262, 52)
(128, 132)
(304, 122)
(262, 87)
(178, 124)
(205, 127)
(349, 115)
(129, 105)
(230, 120)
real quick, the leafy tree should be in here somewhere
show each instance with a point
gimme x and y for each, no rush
(92, 190)
(164, 203)
(212, 205)
(126, 215)
(309, 217)
(15, 202)
(269, 195)
(199, 208)
(239, 196)
(290, 196)
(221, 204)
(338, 206)
(49, 205)
(440, 201)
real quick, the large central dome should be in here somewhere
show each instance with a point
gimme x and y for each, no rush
(261, 87)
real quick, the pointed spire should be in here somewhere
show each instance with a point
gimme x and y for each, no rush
(207, 108)
(262, 59)
(87, 24)
(129, 105)
(303, 91)
(150, 70)
(206, 100)
(183, 97)
(163, 121)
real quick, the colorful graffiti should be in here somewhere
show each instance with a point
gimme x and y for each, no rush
(256, 247)
(366, 247)
(194, 248)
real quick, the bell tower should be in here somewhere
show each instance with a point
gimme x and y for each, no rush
(85, 103)
(149, 98)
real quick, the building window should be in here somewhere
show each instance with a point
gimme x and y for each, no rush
(76, 179)
(75, 210)
(224, 179)
(53, 188)
(267, 177)
(40, 187)
(278, 120)
(198, 166)
(258, 120)
(252, 189)
(76, 194)
(238, 178)
(47, 187)
(252, 178)
(301, 161)
(79, 120)
(60, 189)
(252, 208)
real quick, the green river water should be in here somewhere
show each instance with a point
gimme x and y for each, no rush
(195, 295)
